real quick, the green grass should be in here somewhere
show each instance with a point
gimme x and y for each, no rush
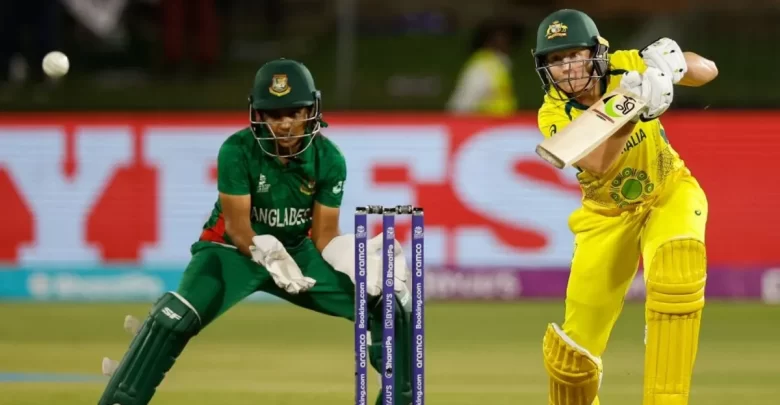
(277, 354)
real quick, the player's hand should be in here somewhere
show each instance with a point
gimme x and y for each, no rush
(340, 253)
(267, 251)
(400, 269)
(654, 86)
(665, 55)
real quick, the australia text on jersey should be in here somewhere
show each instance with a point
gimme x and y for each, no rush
(636, 138)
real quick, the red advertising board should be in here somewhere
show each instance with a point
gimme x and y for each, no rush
(123, 188)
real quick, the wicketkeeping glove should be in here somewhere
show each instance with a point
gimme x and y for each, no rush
(270, 253)
(340, 253)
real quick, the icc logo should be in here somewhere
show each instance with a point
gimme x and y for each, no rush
(361, 230)
(418, 232)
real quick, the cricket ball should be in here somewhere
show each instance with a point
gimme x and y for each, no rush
(55, 64)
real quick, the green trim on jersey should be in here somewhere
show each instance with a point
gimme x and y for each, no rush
(602, 83)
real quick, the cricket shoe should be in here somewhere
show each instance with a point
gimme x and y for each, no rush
(132, 326)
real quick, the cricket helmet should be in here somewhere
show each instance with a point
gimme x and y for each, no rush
(569, 29)
(284, 84)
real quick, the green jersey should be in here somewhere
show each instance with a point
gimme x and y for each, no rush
(283, 196)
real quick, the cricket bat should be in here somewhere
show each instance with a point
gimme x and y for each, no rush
(592, 128)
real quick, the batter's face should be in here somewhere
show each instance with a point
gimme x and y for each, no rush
(571, 69)
(287, 125)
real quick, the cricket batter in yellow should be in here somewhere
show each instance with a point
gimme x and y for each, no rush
(639, 200)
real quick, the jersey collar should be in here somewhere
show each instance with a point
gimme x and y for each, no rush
(307, 155)
(603, 83)
(298, 160)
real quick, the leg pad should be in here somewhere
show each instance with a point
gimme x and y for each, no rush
(401, 353)
(575, 374)
(675, 299)
(162, 337)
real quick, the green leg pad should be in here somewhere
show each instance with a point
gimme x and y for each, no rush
(162, 337)
(403, 351)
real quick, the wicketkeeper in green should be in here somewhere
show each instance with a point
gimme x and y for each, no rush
(274, 228)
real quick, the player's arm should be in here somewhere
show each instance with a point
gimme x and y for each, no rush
(234, 195)
(686, 68)
(235, 211)
(327, 200)
(325, 225)
(601, 159)
(700, 70)
(656, 88)
(338, 249)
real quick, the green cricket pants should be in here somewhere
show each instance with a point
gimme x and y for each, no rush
(218, 277)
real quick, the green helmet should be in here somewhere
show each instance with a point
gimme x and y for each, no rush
(284, 84)
(569, 29)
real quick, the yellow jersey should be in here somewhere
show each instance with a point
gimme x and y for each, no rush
(487, 79)
(646, 161)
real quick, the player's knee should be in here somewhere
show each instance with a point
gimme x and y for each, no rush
(205, 280)
(677, 277)
(575, 374)
(173, 312)
(378, 314)
(378, 309)
(590, 324)
(592, 340)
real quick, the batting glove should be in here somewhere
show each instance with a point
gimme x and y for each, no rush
(654, 86)
(665, 55)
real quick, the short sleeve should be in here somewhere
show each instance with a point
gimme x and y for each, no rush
(232, 170)
(552, 120)
(628, 60)
(330, 191)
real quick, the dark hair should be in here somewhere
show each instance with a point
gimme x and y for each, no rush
(488, 28)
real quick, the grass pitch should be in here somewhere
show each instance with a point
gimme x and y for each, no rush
(477, 353)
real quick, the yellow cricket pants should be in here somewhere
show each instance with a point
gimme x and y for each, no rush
(608, 246)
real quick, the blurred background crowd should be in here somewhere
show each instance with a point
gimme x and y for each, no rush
(365, 54)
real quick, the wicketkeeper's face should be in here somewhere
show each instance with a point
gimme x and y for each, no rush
(287, 125)
(571, 69)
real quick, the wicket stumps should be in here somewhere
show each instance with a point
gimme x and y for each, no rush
(388, 302)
